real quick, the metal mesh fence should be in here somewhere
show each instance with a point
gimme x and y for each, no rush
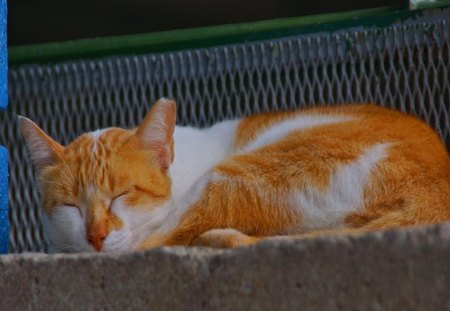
(406, 66)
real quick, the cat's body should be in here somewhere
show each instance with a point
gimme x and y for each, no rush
(351, 168)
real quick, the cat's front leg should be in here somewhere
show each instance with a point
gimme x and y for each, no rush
(183, 235)
(224, 238)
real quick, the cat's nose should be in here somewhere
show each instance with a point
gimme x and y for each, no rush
(96, 238)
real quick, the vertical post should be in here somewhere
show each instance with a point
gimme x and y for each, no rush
(4, 222)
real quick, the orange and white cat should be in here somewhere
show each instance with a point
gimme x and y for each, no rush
(352, 168)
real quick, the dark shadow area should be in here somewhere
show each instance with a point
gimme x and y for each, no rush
(32, 21)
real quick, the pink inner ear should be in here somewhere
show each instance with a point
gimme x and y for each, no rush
(162, 156)
(43, 149)
(156, 131)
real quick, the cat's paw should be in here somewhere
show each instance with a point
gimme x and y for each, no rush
(224, 238)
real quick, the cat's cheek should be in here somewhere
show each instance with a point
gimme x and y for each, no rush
(66, 231)
(132, 217)
(138, 223)
(118, 241)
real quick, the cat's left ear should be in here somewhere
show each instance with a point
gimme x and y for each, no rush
(43, 149)
(156, 131)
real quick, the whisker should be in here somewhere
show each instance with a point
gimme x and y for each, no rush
(141, 227)
(124, 239)
(70, 175)
(64, 247)
(57, 183)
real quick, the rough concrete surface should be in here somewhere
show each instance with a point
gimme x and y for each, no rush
(408, 269)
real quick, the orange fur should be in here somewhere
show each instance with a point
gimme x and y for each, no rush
(410, 187)
(80, 177)
(413, 187)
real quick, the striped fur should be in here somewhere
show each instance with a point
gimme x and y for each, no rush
(350, 169)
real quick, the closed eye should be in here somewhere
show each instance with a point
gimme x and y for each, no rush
(73, 206)
(120, 195)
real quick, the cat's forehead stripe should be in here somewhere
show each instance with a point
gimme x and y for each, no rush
(96, 136)
(91, 156)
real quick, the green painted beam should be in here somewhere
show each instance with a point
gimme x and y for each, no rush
(424, 4)
(204, 37)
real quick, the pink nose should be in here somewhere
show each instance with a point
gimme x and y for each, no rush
(96, 237)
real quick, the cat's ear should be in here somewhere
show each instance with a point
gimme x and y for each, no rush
(43, 150)
(156, 131)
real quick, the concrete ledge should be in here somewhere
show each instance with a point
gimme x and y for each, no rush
(399, 270)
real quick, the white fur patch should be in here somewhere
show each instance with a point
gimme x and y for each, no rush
(66, 230)
(180, 205)
(96, 136)
(344, 195)
(197, 151)
(138, 223)
(279, 130)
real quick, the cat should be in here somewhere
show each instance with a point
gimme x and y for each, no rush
(351, 168)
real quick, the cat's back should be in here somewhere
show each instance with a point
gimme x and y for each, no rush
(364, 124)
(349, 142)
(340, 165)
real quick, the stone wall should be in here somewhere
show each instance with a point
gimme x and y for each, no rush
(398, 270)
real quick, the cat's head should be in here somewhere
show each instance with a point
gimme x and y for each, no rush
(107, 189)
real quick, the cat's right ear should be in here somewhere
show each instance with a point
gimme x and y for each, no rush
(156, 131)
(43, 149)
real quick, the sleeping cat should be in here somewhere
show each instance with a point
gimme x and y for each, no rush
(353, 168)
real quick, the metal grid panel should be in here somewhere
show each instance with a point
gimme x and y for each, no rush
(406, 66)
